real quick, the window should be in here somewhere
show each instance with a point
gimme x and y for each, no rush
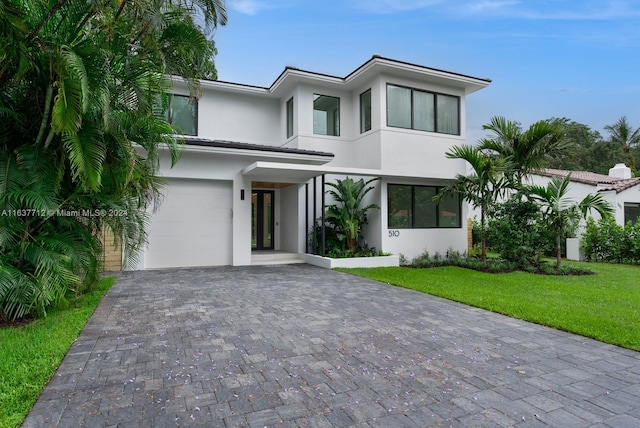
(631, 212)
(326, 115)
(422, 110)
(365, 111)
(183, 114)
(290, 117)
(413, 207)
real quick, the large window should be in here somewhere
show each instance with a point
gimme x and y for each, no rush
(365, 111)
(413, 207)
(290, 118)
(631, 212)
(422, 110)
(326, 115)
(183, 113)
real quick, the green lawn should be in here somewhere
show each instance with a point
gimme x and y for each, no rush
(605, 306)
(29, 355)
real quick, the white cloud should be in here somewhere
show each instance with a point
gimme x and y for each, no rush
(392, 6)
(565, 10)
(248, 7)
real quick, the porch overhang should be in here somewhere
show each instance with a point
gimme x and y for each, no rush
(298, 173)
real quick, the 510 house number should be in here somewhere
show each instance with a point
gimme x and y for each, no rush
(394, 233)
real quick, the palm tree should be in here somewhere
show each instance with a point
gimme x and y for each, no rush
(562, 212)
(623, 134)
(524, 150)
(482, 187)
(349, 216)
(83, 86)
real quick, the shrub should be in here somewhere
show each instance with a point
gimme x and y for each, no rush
(609, 242)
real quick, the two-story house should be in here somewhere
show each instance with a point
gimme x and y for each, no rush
(252, 172)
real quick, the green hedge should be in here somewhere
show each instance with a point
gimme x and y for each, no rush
(607, 241)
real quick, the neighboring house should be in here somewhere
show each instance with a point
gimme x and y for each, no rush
(618, 188)
(251, 174)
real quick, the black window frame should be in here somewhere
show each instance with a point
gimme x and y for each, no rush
(435, 109)
(631, 209)
(195, 119)
(289, 112)
(336, 119)
(364, 125)
(412, 215)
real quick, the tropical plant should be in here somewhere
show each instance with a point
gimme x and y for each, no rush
(347, 215)
(523, 150)
(623, 134)
(482, 187)
(561, 212)
(84, 87)
(517, 232)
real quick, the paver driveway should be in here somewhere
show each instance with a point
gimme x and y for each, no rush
(301, 346)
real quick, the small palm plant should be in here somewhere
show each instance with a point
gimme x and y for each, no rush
(347, 215)
(561, 212)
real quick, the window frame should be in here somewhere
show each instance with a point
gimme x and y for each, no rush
(412, 214)
(169, 116)
(363, 113)
(434, 108)
(289, 112)
(336, 127)
(628, 207)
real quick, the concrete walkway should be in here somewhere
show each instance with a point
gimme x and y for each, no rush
(300, 346)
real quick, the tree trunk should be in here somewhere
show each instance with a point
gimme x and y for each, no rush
(558, 252)
(483, 239)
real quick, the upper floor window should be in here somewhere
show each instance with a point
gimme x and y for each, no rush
(290, 117)
(413, 207)
(365, 111)
(326, 115)
(183, 113)
(425, 111)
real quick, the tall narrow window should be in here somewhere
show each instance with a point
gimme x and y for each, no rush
(290, 117)
(448, 113)
(365, 111)
(398, 106)
(183, 114)
(326, 115)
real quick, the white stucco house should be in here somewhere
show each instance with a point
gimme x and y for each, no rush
(252, 171)
(619, 189)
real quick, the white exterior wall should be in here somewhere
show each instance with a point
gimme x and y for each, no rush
(233, 116)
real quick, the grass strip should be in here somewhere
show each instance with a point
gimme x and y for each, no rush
(605, 306)
(29, 355)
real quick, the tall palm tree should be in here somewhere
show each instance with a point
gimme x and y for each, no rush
(622, 133)
(84, 85)
(562, 212)
(524, 150)
(482, 187)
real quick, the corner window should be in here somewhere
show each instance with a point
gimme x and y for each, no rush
(631, 212)
(326, 115)
(365, 111)
(412, 207)
(183, 114)
(290, 118)
(422, 110)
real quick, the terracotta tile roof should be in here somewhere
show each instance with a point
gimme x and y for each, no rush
(603, 182)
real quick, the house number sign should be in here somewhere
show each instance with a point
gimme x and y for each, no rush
(394, 233)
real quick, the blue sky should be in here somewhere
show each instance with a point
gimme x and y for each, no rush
(578, 59)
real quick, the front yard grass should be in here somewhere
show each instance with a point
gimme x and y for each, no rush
(29, 355)
(605, 306)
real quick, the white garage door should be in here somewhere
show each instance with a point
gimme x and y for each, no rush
(192, 226)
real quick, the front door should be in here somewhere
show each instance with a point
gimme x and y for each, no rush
(262, 219)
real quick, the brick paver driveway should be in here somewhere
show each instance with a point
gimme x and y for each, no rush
(300, 346)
